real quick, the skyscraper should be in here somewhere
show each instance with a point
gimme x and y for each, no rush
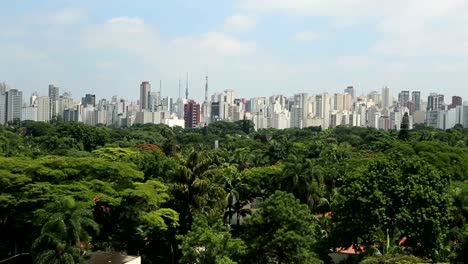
(338, 102)
(43, 108)
(3, 88)
(2, 108)
(456, 101)
(154, 101)
(435, 102)
(403, 98)
(145, 88)
(14, 104)
(387, 98)
(351, 91)
(375, 97)
(53, 92)
(89, 99)
(54, 97)
(191, 114)
(319, 105)
(416, 98)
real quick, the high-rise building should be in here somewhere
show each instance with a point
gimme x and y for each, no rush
(350, 90)
(2, 108)
(192, 114)
(145, 89)
(387, 98)
(319, 105)
(403, 98)
(299, 110)
(43, 108)
(456, 101)
(71, 114)
(14, 104)
(3, 88)
(347, 102)
(416, 98)
(32, 99)
(53, 92)
(375, 97)
(435, 102)
(338, 102)
(89, 99)
(29, 113)
(215, 112)
(154, 101)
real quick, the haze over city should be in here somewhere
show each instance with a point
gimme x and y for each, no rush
(256, 47)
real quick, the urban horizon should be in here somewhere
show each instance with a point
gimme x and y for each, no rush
(200, 89)
(381, 110)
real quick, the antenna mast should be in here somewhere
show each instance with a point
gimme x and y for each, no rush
(186, 88)
(180, 85)
(206, 88)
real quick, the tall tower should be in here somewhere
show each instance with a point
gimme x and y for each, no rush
(180, 87)
(53, 92)
(160, 88)
(416, 98)
(387, 97)
(186, 88)
(435, 102)
(145, 88)
(206, 88)
(192, 114)
(352, 92)
(403, 98)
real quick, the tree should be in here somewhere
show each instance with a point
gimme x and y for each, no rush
(404, 128)
(394, 193)
(281, 231)
(210, 242)
(64, 233)
(194, 190)
(141, 221)
(302, 178)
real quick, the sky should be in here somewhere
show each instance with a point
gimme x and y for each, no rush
(256, 47)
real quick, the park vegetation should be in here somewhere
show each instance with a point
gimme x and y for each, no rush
(268, 196)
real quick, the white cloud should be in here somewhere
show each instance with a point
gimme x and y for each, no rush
(66, 16)
(225, 44)
(355, 62)
(305, 36)
(343, 9)
(239, 23)
(128, 21)
(405, 27)
(123, 33)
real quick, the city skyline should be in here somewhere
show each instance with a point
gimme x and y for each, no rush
(285, 47)
(377, 110)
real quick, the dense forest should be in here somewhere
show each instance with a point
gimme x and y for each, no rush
(228, 194)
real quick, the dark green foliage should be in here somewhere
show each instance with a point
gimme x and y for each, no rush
(210, 243)
(404, 127)
(162, 192)
(65, 228)
(281, 231)
(395, 194)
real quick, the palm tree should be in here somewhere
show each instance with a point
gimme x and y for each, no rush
(235, 206)
(65, 225)
(194, 189)
(302, 178)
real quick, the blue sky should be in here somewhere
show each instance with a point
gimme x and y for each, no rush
(256, 47)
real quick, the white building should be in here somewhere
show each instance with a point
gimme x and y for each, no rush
(29, 113)
(43, 108)
(173, 121)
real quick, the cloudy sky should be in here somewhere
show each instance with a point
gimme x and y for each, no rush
(256, 47)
